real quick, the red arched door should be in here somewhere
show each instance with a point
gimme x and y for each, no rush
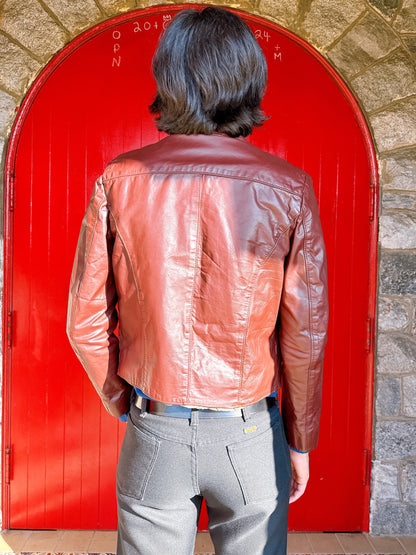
(89, 105)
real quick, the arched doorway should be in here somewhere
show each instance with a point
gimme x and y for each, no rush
(88, 105)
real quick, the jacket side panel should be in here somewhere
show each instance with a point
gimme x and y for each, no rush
(156, 217)
(238, 232)
(92, 315)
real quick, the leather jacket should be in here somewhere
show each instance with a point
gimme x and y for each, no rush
(200, 278)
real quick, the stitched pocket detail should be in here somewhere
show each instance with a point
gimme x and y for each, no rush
(260, 466)
(137, 460)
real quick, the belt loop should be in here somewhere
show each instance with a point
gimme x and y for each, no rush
(194, 417)
(245, 414)
(144, 406)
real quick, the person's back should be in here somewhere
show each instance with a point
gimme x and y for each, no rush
(208, 253)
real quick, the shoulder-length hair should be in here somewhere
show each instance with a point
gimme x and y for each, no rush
(210, 74)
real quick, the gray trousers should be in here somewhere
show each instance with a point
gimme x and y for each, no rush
(168, 465)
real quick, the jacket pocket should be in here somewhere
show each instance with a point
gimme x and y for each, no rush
(262, 465)
(136, 462)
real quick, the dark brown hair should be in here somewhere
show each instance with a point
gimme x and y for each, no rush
(210, 73)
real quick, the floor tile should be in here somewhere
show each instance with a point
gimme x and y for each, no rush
(87, 542)
(324, 543)
(42, 540)
(355, 543)
(298, 542)
(386, 545)
(75, 540)
(5, 547)
(13, 539)
(409, 543)
(103, 542)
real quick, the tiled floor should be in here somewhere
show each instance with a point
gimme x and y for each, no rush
(90, 541)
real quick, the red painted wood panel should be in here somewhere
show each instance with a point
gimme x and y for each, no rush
(90, 105)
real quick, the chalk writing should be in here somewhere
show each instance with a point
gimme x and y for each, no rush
(116, 48)
(262, 34)
(277, 54)
(140, 26)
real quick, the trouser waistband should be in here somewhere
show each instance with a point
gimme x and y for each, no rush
(178, 411)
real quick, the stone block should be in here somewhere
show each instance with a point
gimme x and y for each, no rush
(390, 79)
(147, 3)
(367, 41)
(386, 7)
(407, 525)
(406, 18)
(284, 11)
(397, 273)
(248, 5)
(396, 354)
(117, 6)
(392, 519)
(75, 16)
(395, 440)
(395, 127)
(398, 201)
(322, 22)
(2, 157)
(18, 69)
(398, 170)
(409, 396)
(393, 314)
(388, 397)
(408, 482)
(414, 324)
(33, 27)
(7, 108)
(398, 230)
(410, 42)
(385, 482)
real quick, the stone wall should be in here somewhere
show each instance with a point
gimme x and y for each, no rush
(372, 44)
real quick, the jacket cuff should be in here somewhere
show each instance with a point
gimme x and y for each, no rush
(297, 451)
(119, 405)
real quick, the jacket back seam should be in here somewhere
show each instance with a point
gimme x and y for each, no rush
(249, 307)
(190, 318)
(137, 290)
(272, 185)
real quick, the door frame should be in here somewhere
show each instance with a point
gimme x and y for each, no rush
(7, 315)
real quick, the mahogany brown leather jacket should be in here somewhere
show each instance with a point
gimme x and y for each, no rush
(208, 255)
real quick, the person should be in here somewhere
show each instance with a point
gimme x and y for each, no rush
(208, 255)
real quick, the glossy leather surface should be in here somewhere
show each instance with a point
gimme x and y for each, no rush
(208, 253)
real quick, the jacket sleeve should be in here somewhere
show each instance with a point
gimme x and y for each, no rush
(303, 322)
(92, 313)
